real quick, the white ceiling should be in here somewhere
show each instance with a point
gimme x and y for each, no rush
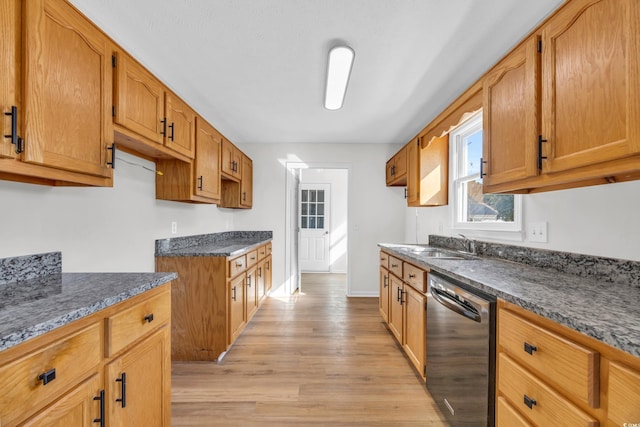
(255, 69)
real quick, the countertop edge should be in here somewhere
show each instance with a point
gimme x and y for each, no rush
(186, 252)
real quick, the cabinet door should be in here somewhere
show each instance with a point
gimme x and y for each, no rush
(139, 99)
(138, 383)
(230, 164)
(384, 294)
(246, 183)
(260, 280)
(590, 60)
(67, 89)
(237, 318)
(415, 327)
(267, 275)
(396, 316)
(413, 172)
(251, 292)
(207, 161)
(78, 408)
(10, 15)
(510, 128)
(401, 162)
(181, 126)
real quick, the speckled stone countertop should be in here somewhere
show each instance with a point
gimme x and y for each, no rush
(31, 306)
(605, 310)
(227, 243)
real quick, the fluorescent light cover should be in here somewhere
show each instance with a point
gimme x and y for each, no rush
(338, 71)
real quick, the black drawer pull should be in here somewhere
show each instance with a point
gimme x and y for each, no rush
(412, 276)
(386, 281)
(148, 318)
(529, 402)
(394, 265)
(123, 389)
(47, 377)
(101, 399)
(529, 348)
(234, 293)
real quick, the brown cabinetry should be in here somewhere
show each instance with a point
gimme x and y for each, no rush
(213, 299)
(415, 312)
(548, 374)
(413, 172)
(397, 168)
(385, 291)
(56, 379)
(396, 314)
(239, 194)
(231, 164)
(60, 138)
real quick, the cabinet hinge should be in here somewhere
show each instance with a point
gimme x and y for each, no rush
(540, 46)
(114, 61)
(113, 110)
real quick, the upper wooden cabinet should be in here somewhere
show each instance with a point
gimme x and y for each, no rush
(63, 138)
(433, 188)
(510, 116)
(238, 194)
(149, 118)
(576, 121)
(413, 172)
(197, 181)
(231, 164)
(397, 168)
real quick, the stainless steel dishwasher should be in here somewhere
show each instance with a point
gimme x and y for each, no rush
(461, 351)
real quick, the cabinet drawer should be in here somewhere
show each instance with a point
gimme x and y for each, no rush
(237, 265)
(506, 416)
(548, 408)
(129, 325)
(72, 358)
(624, 395)
(262, 252)
(416, 277)
(395, 266)
(384, 260)
(252, 258)
(573, 368)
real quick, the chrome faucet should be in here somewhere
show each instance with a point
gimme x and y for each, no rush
(469, 245)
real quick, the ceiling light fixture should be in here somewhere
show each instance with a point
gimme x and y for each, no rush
(338, 71)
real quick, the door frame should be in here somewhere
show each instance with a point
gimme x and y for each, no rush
(292, 267)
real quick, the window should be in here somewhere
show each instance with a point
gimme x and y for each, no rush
(471, 208)
(312, 209)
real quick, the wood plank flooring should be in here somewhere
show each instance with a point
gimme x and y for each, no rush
(317, 358)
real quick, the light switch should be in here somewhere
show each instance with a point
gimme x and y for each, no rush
(537, 232)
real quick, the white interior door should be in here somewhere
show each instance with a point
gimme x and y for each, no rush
(314, 222)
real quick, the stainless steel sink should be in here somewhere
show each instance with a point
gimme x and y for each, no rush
(430, 252)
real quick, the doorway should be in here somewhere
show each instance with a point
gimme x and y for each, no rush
(316, 222)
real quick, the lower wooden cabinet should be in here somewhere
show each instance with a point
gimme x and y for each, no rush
(213, 299)
(67, 378)
(403, 307)
(548, 374)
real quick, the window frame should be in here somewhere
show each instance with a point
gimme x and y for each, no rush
(457, 165)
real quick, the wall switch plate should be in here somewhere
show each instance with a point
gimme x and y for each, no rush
(174, 227)
(537, 232)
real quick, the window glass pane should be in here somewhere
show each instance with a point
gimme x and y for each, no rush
(473, 146)
(303, 223)
(320, 222)
(321, 195)
(312, 222)
(305, 209)
(320, 209)
(312, 209)
(486, 207)
(312, 195)
(305, 195)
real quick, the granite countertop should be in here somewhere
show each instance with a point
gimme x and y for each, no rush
(31, 306)
(605, 311)
(223, 244)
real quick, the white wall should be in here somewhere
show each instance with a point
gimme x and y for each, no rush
(100, 229)
(376, 213)
(602, 220)
(338, 178)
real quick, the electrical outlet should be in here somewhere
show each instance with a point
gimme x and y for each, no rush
(537, 232)
(174, 227)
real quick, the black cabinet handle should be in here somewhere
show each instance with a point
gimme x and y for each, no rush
(200, 182)
(540, 156)
(530, 402)
(399, 295)
(249, 281)
(101, 418)
(259, 271)
(112, 163)
(123, 389)
(402, 294)
(412, 276)
(394, 265)
(148, 318)
(163, 132)
(171, 127)
(47, 377)
(386, 281)
(234, 293)
(405, 193)
(482, 163)
(244, 196)
(15, 139)
(529, 348)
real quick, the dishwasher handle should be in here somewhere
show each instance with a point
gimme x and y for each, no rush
(454, 305)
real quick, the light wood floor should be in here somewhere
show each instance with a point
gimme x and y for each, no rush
(317, 358)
